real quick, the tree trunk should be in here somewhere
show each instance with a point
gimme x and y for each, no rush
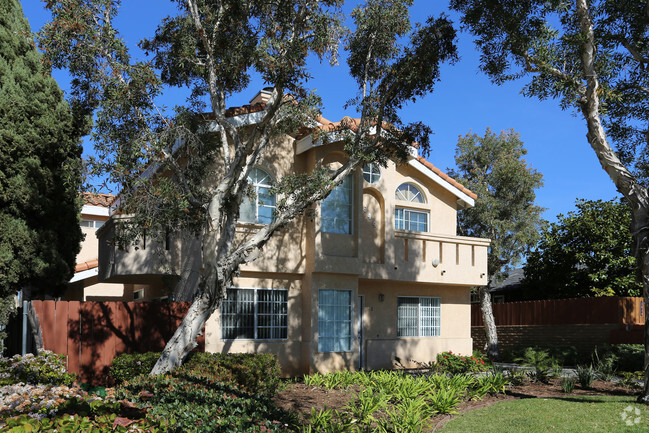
(642, 239)
(184, 339)
(489, 323)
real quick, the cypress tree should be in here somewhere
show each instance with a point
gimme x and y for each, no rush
(40, 167)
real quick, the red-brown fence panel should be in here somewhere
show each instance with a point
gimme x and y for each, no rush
(91, 334)
(610, 309)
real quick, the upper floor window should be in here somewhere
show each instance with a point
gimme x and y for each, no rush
(371, 172)
(260, 207)
(410, 219)
(409, 192)
(91, 223)
(337, 209)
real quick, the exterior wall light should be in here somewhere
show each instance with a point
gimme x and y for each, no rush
(381, 297)
(435, 262)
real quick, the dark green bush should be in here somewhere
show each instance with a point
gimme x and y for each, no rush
(127, 366)
(249, 372)
(627, 357)
(178, 403)
(563, 355)
(44, 368)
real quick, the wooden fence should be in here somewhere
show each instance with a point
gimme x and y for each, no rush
(610, 309)
(91, 334)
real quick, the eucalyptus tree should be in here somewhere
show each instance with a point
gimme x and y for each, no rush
(493, 167)
(592, 56)
(213, 47)
(40, 169)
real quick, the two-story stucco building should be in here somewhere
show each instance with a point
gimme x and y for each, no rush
(377, 271)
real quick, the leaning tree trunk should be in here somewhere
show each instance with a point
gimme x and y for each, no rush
(489, 323)
(184, 339)
(635, 193)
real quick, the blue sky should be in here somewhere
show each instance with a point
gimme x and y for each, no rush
(464, 101)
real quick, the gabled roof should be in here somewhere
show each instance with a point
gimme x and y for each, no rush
(466, 197)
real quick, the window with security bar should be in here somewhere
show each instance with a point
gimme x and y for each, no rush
(418, 316)
(255, 314)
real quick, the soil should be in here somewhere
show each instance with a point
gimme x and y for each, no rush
(300, 398)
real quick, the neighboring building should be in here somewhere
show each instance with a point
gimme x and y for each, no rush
(378, 271)
(85, 285)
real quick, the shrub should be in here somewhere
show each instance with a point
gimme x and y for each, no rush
(628, 357)
(564, 355)
(249, 372)
(45, 368)
(585, 375)
(540, 360)
(568, 384)
(179, 403)
(448, 362)
(128, 366)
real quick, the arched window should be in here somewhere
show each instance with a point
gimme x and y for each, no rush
(260, 206)
(409, 192)
(406, 218)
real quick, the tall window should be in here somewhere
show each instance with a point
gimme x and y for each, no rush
(371, 172)
(254, 314)
(334, 321)
(418, 316)
(259, 207)
(337, 209)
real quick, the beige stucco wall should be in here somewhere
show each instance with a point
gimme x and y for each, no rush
(90, 245)
(380, 323)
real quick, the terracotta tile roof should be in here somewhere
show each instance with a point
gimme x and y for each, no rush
(448, 178)
(91, 264)
(95, 199)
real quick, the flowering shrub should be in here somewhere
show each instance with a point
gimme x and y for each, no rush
(448, 362)
(45, 368)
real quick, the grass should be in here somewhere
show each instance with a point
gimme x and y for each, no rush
(565, 414)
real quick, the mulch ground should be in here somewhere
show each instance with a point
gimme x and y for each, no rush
(301, 398)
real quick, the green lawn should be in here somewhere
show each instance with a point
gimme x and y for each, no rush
(566, 414)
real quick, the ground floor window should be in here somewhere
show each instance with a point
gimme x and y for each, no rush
(335, 321)
(418, 316)
(255, 314)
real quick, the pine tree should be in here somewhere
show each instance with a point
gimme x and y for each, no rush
(40, 167)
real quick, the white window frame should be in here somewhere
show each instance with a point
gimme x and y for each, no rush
(413, 199)
(91, 224)
(349, 220)
(407, 222)
(255, 199)
(256, 315)
(429, 317)
(369, 172)
(322, 320)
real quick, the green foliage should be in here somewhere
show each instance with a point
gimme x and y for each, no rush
(626, 357)
(493, 166)
(585, 375)
(250, 372)
(568, 384)
(448, 362)
(540, 360)
(563, 355)
(180, 403)
(40, 167)
(76, 423)
(7, 309)
(45, 368)
(127, 366)
(585, 253)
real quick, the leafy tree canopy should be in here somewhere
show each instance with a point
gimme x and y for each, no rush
(585, 253)
(493, 167)
(40, 166)
(202, 158)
